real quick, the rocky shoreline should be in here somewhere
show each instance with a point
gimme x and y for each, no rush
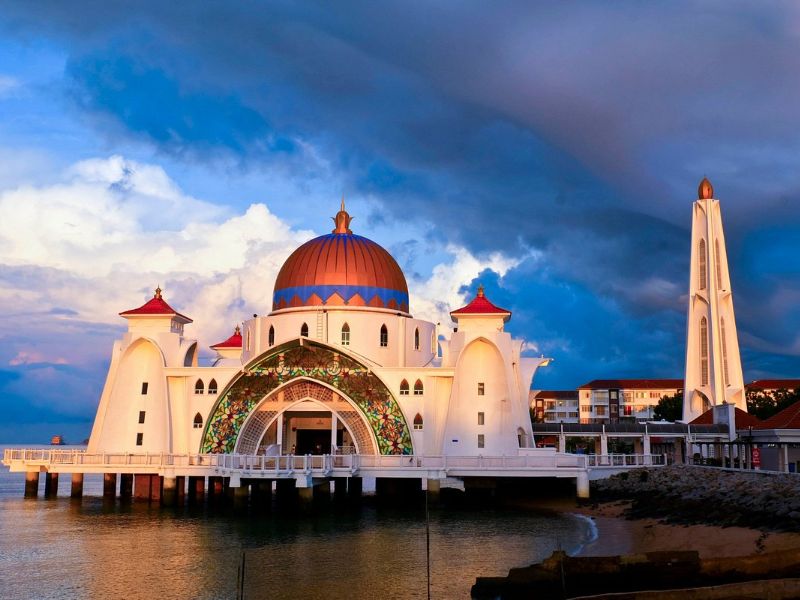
(690, 495)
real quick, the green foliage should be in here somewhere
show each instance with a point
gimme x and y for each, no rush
(669, 408)
(764, 405)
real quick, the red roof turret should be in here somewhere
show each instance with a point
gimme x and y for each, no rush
(156, 306)
(235, 341)
(480, 305)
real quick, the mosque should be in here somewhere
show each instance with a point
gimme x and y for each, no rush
(339, 366)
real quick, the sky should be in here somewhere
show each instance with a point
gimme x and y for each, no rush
(550, 151)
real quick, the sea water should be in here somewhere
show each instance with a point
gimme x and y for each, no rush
(80, 549)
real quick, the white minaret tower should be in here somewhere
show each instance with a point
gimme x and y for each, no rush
(713, 366)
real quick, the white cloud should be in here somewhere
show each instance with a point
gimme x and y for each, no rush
(32, 357)
(99, 240)
(435, 297)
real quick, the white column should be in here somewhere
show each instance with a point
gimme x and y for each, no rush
(334, 426)
(646, 449)
(280, 433)
(786, 458)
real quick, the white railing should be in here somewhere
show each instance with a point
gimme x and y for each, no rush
(625, 460)
(327, 463)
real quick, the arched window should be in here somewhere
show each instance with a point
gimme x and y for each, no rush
(404, 388)
(198, 387)
(271, 336)
(384, 336)
(198, 421)
(701, 263)
(212, 386)
(416, 339)
(703, 351)
(724, 351)
(418, 421)
(304, 330)
(418, 388)
(345, 335)
(718, 265)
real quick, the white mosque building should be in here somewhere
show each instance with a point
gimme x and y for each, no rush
(340, 365)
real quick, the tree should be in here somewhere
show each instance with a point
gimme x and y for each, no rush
(669, 408)
(764, 405)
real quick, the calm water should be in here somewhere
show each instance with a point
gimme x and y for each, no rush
(62, 549)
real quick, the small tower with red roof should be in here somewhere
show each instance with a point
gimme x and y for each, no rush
(229, 351)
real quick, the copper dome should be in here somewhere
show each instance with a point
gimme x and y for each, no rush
(340, 269)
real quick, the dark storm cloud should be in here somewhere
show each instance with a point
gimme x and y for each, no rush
(579, 130)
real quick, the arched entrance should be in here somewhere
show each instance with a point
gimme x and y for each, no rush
(305, 417)
(315, 362)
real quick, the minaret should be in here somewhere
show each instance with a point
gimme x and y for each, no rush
(713, 367)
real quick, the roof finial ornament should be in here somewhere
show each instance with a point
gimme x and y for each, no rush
(706, 190)
(158, 292)
(342, 220)
(237, 330)
(480, 290)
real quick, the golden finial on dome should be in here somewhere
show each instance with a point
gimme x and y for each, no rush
(342, 220)
(706, 190)
(158, 292)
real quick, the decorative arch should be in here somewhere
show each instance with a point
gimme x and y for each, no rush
(418, 424)
(199, 388)
(304, 330)
(404, 389)
(701, 265)
(311, 360)
(198, 421)
(190, 359)
(293, 393)
(418, 388)
(345, 335)
(212, 386)
(384, 336)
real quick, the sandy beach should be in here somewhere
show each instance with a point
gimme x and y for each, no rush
(619, 535)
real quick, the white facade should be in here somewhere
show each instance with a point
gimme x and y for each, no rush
(463, 396)
(713, 372)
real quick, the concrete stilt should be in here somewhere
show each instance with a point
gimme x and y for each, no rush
(141, 487)
(322, 492)
(305, 498)
(197, 489)
(109, 486)
(354, 487)
(156, 487)
(261, 494)
(285, 493)
(169, 495)
(181, 483)
(215, 489)
(50, 485)
(241, 496)
(582, 485)
(31, 484)
(339, 489)
(434, 490)
(77, 486)
(126, 487)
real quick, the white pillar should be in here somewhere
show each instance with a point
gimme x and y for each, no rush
(786, 458)
(280, 433)
(604, 445)
(582, 484)
(562, 443)
(646, 449)
(334, 426)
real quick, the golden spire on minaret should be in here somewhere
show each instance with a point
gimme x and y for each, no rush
(342, 220)
(706, 190)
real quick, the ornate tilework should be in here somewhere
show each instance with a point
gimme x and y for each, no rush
(315, 361)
